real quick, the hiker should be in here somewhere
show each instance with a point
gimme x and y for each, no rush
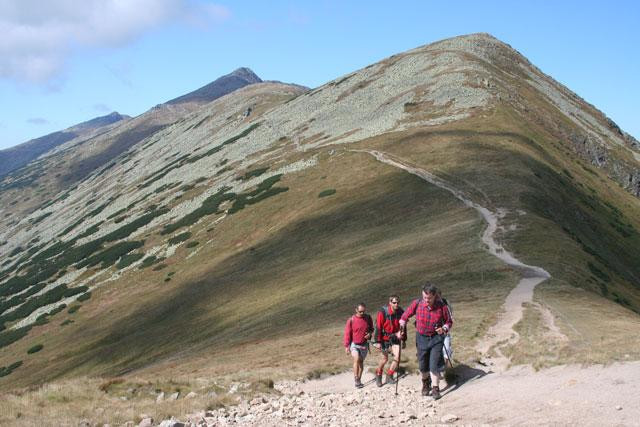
(385, 339)
(357, 333)
(432, 324)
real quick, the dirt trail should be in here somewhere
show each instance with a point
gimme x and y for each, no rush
(502, 332)
(563, 395)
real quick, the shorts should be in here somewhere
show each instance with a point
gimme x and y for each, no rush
(430, 353)
(385, 346)
(362, 350)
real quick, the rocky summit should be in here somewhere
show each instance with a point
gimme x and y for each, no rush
(227, 234)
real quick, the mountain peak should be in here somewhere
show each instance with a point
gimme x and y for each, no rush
(221, 86)
(247, 74)
(101, 121)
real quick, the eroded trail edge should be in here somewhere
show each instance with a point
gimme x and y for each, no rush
(502, 332)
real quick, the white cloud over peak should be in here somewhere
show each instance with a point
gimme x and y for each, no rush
(101, 108)
(38, 36)
(37, 121)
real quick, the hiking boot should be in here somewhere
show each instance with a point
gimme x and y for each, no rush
(435, 392)
(358, 383)
(379, 380)
(426, 387)
(389, 379)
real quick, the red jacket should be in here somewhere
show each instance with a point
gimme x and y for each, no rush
(356, 328)
(388, 324)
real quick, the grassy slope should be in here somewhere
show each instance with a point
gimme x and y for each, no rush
(571, 226)
(275, 282)
(294, 265)
(299, 270)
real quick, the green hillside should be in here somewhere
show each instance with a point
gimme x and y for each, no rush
(229, 247)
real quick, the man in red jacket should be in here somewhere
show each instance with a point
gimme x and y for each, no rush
(357, 333)
(433, 322)
(385, 339)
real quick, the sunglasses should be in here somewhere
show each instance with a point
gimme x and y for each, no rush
(394, 302)
(360, 312)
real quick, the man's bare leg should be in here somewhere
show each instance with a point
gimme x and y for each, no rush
(435, 379)
(383, 361)
(356, 364)
(357, 367)
(395, 349)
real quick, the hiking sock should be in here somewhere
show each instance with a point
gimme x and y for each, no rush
(389, 379)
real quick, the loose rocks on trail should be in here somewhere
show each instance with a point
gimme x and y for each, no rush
(563, 395)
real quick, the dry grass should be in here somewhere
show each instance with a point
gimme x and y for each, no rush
(535, 346)
(597, 330)
(69, 402)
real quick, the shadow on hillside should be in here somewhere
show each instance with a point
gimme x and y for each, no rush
(346, 251)
(190, 318)
(551, 192)
(121, 143)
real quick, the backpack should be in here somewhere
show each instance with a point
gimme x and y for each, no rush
(388, 316)
(446, 304)
(392, 317)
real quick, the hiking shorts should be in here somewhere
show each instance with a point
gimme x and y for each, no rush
(361, 350)
(386, 345)
(430, 353)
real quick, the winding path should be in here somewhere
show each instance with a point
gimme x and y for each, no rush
(570, 395)
(502, 332)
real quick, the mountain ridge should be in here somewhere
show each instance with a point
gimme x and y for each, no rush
(13, 158)
(281, 213)
(77, 156)
(238, 78)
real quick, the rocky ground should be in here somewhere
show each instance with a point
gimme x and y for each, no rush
(333, 401)
(564, 395)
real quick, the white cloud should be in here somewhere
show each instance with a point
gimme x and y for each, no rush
(37, 121)
(38, 36)
(101, 108)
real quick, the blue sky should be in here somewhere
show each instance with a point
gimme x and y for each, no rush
(64, 61)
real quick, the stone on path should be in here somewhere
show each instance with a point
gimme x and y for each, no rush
(449, 418)
(171, 423)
